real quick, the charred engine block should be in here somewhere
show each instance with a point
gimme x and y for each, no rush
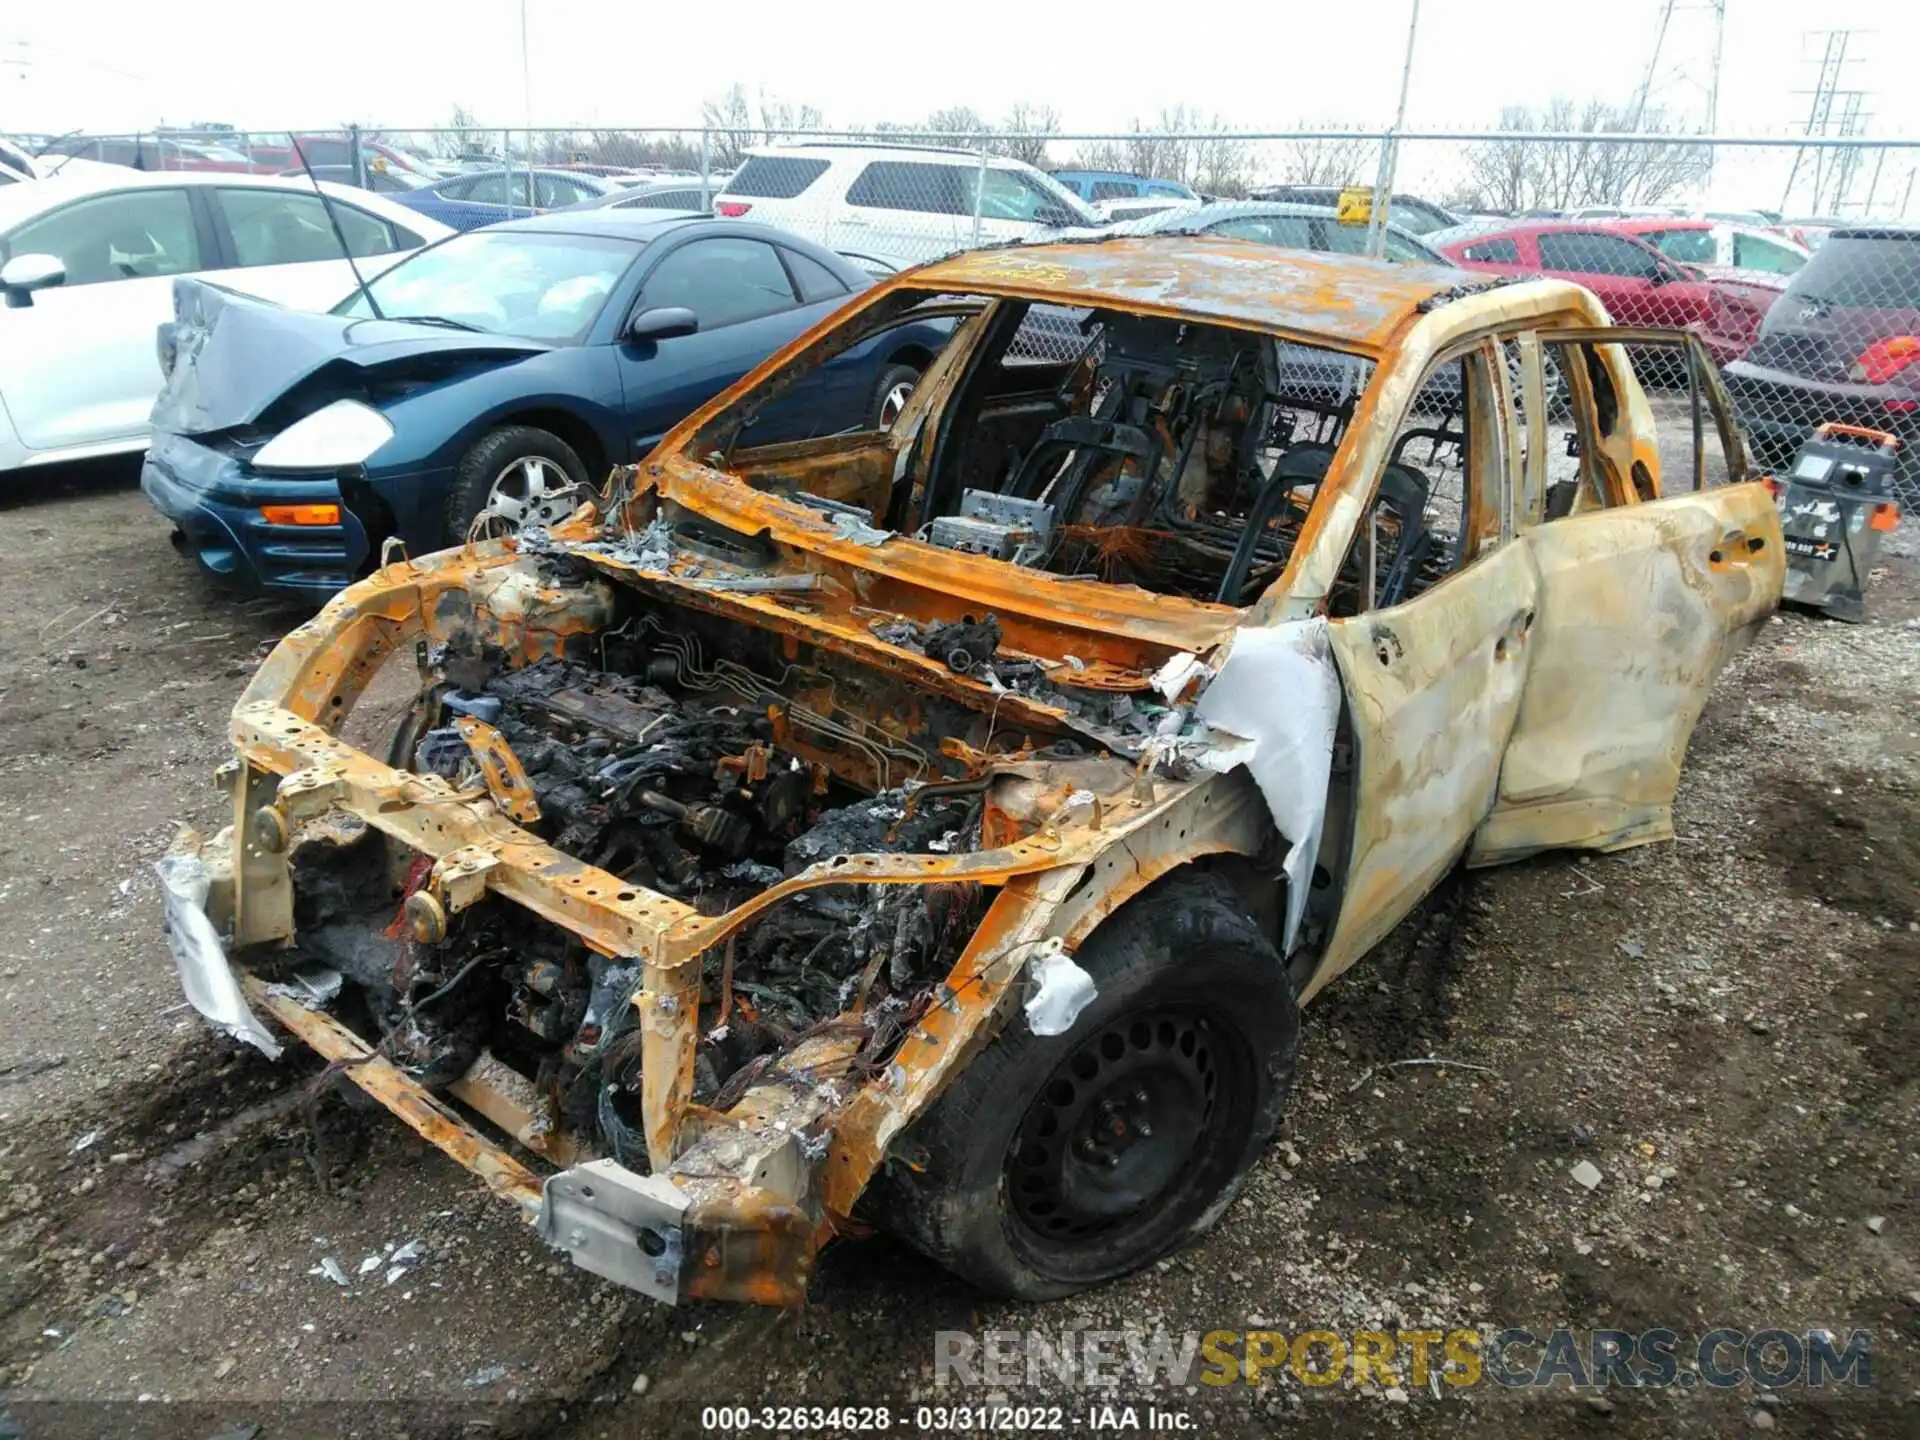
(672, 783)
(679, 797)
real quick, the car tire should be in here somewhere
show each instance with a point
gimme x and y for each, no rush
(1033, 1176)
(890, 394)
(538, 461)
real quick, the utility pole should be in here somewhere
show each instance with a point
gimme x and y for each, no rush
(1686, 64)
(1713, 77)
(1846, 163)
(526, 111)
(1653, 64)
(1390, 150)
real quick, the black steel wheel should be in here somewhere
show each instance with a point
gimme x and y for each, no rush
(1147, 1112)
(1052, 1163)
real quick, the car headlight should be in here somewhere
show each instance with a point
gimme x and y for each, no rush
(342, 434)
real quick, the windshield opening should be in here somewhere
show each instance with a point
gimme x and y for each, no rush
(1179, 457)
(504, 282)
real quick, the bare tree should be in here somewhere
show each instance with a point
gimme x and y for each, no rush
(1501, 173)
(1562, 174)
(1222, 165)
(1345, 161)
(1029, 126)
(1183, 145)
(955, 122)
(735, 123)
(463, 134)
(729, 123)
(629, 147)
(781, 119)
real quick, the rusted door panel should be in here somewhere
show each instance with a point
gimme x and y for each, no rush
(1639, 608)
(1433, 688)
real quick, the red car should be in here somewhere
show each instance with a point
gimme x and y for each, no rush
(1637, 284)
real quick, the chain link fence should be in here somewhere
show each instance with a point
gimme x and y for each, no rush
(1791, 259)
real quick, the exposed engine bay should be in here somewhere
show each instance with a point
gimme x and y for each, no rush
(669, 775)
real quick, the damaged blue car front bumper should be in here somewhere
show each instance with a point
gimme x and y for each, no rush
(220, 509)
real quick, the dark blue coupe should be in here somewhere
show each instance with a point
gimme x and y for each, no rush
(506, 370)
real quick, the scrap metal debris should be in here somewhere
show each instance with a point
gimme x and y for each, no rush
(965, 644)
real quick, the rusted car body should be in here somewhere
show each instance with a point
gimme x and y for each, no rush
(1066, 635)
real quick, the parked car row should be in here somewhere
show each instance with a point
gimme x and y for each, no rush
(1802, 337)
(506, 368)
(531, 325)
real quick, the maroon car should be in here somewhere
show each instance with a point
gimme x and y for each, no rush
(1637, 284)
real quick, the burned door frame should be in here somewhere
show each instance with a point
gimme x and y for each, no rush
(1432, 685)
(1594, 758)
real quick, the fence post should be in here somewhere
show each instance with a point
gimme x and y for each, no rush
(979, 193)
(506, 161)
(706, 168)
(1390, 151)
(357, 160)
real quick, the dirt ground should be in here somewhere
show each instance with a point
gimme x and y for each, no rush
(1727, 1027)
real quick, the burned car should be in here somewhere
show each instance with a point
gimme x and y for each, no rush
(940, 827)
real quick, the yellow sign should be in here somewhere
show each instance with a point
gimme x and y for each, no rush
(1356, 205)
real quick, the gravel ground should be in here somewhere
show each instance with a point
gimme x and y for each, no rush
(1725, 1027)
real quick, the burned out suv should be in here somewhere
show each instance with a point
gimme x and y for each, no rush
(940, 827)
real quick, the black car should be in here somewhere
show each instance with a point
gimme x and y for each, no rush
(1842, 343)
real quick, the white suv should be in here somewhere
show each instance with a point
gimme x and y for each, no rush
(904, 203)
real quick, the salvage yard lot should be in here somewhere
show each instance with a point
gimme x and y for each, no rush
(1726, 1027)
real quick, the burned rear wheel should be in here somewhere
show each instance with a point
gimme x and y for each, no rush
(1055, 1163)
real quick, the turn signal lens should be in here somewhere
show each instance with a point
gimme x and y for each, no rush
(1884, 359)
(300, 514)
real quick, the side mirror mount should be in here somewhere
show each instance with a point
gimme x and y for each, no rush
(663, 322)
(24, 274)
(1052, 215)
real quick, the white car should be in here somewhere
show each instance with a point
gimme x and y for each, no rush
(1730, 247)
(87, 265)
(912, 201)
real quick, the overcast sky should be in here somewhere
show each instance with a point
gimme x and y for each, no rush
(113, 65)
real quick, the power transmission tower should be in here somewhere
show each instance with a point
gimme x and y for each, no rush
(1688, 61)
(1826, 94)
